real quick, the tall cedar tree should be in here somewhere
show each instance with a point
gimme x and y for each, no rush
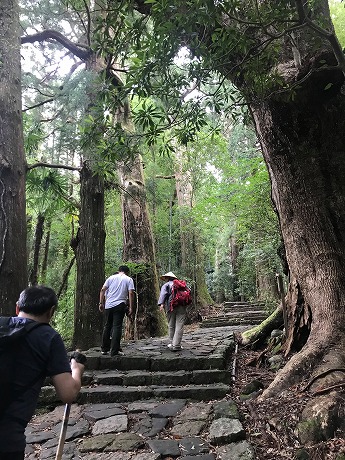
(13, 257)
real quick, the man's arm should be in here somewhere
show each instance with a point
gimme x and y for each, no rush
(164, 294)
(102, 298)
(67, 386)
(131, 296)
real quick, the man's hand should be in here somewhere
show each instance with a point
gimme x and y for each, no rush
(79, 357)
(161, 307)
(129, 314)
(78, 361)
(77, 369)
(101, 307)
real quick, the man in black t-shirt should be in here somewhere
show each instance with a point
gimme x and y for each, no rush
(41, 354)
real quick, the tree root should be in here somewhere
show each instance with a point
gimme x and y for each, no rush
(322, 374)
(314, 357)
(256, 336)
(322, 391)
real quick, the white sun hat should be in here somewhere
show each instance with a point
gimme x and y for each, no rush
(169, 275)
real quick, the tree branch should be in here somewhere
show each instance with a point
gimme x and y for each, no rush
(330, 36)
(165, 177)
(49, 165)
(65, 277)
(38, 104)
(81, 51)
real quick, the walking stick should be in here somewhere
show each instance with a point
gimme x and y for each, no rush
(80, 358)
(63, 431)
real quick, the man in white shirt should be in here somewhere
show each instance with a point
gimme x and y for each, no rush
(117, 290)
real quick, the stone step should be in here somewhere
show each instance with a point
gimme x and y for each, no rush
(160, 363)
(112, 386)
(117, 393)
(143, 378)
(243, 308)
(244, 303)
(212, 322)
(241, 314)
(190, 358)
(240, 318)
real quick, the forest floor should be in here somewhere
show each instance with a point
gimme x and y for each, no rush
(271, 424)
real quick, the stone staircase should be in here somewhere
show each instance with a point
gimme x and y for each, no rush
(148, 369)
(236, 314)
(150, 403)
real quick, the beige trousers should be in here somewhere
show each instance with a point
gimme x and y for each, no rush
(176, 320)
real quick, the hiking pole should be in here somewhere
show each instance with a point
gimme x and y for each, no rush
(63, 432)
(80, 358)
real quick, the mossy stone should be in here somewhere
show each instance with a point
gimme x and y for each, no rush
(301, 454)
(310, 431)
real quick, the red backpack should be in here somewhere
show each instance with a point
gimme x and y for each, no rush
(180, 294)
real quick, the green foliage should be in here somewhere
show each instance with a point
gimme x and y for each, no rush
(177, 96)
(160, 188)
(63, 320)
(233, 201)
(114, 234)
(338, 18)
(47, 191)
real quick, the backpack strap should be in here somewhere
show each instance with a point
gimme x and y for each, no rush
(4, 320)
(32, 325)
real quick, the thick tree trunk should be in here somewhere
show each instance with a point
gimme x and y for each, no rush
(138, 250)
(266, 286)
(303, 145)
(219, 279)
(90, 239)
(13, 256)
(234, 251)
(89, 252)
(302, 135)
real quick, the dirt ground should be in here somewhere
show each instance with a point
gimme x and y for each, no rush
(271, 425)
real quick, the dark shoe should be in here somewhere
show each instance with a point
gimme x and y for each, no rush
(117, 353)
(176, 348)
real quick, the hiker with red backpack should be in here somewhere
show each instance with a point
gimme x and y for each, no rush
(173, 299)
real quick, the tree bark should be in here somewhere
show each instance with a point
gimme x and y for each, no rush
(138, 249)
(266, 286)
(90, 241)
(13, 256)
(90, 237)
(302, 139)
(64, 280)
(308, 189)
